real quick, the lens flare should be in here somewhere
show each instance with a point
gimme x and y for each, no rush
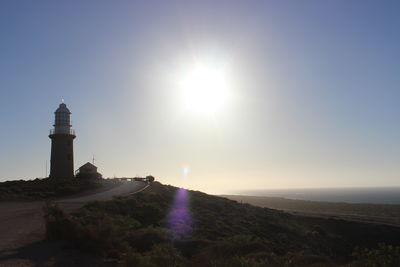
(186, 170)
(180, 221)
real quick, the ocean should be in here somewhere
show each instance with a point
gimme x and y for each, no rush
(378, 195)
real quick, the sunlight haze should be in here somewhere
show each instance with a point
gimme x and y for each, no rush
(215, 96)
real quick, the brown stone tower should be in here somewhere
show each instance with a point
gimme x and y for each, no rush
(62, 148)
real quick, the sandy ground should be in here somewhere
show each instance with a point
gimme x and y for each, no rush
(22, 229)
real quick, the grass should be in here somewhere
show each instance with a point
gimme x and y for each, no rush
(137, 231)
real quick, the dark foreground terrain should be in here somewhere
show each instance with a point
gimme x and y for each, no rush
(22, 225)
(167, 226)
(47, 188)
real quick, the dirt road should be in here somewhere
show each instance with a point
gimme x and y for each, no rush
(22, 224)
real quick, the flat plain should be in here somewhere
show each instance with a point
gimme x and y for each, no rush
(374, 213)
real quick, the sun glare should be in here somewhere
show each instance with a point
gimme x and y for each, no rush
(204, 89)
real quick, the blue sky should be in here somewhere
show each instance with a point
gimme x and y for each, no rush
(315, 90)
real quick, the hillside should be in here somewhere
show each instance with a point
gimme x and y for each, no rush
(378, 213)
(49, 188)
(167, 226)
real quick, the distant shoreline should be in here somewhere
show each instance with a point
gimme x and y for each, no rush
(367, 195)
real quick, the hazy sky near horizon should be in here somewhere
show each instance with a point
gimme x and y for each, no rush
(314, 90)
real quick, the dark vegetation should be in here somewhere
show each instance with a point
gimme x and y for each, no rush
(380, 213)
(49, 188)
(136, 231)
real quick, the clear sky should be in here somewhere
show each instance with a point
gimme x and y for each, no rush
(313, 90)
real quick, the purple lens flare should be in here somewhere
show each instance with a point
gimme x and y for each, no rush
(180, 220)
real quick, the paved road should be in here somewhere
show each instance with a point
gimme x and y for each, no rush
(22, 224)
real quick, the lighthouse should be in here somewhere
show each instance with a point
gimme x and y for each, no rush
(62, 148)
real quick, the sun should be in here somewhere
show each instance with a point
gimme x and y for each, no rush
(205, 89)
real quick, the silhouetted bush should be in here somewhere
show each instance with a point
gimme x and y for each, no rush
(382, 256)
(144, 239)
(58, 225)
(160, 255)
(150, 178)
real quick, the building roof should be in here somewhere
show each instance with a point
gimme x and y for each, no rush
(88, 165)
(63, 109)
(88, 170)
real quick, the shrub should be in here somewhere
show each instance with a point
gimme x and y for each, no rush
(306, 259)
(144, 239)
(165, 255)
(382, 256)
(238, 245)
(58, 225)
